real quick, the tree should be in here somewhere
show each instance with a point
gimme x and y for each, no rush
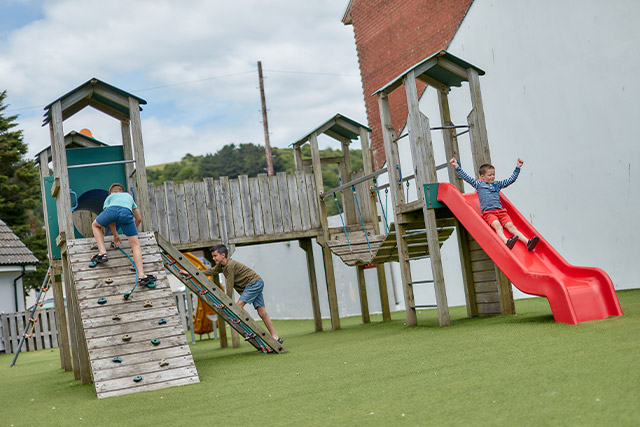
(20, 193)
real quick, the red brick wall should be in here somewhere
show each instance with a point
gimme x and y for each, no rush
(391, 36)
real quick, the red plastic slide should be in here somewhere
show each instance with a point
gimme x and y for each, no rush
(575, 294)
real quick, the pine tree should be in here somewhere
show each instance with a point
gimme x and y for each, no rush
(20, 192)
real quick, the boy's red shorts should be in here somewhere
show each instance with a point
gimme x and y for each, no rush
(496, 214)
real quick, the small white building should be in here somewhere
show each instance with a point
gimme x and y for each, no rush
(15, 261)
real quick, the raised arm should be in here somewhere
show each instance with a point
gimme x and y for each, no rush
(462, 174)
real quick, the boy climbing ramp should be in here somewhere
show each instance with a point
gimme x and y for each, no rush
(244, 280)
(489, 196)
(120, 211)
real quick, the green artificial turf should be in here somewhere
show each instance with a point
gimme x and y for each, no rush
(507, 370)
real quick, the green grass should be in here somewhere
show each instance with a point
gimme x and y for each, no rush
(508, 370)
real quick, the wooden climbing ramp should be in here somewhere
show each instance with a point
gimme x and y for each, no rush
(217, 299)
(136, 344)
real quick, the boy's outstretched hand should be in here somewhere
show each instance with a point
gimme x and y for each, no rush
(454, 162)
(520, 163)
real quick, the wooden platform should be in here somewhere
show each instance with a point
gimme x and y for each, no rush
(104, 333)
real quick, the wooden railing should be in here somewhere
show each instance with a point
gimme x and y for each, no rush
(237, 211)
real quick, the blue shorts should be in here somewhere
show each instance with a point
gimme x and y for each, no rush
(252, 293)
(122, 217)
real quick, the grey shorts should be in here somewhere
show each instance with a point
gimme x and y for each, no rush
(252, 294)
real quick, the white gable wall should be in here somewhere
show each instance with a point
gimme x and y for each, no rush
(560, 92)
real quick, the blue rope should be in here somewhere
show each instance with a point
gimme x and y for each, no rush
(384, 215)
(126, 296)
(235, 319)
(355, 196)
(340, 212)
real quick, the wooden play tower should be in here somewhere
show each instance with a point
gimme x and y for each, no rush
(488, 291)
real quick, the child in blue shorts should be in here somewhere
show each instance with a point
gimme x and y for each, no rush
(120, 211)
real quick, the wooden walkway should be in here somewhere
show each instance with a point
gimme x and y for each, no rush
(239, 211)
(107, 325)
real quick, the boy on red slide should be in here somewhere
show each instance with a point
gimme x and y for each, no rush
(489, 195)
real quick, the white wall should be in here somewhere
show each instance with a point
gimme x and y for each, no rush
(7, 295)
(561, 91)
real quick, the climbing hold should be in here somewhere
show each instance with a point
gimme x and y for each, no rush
(162, 321)
(108, 281)
(155, 341)
(164, 363)
(126, 338)
(132, 268)
(151, 285)
(138, 378)
(117, 359)
(126, 296)
(115, 317)
(147, 304)
(102, 300)
(92, 264)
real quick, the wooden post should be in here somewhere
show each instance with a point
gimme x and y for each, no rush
(362, 290)
(397, 197)
(322, 239)
(367, 169)
(480, 144)
(451, 149)
(297, 157)
(142, 196)
(265, 123)
(84, 366)
(127, 150)
(56, 284)
(348, 201)
(425, 172)
(305, 244)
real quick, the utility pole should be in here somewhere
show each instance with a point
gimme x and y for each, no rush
(267, 146)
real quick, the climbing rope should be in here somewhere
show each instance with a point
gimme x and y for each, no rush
(384, 215)
(355, 196)
(340, 212)
(249, 333)
(128, 294)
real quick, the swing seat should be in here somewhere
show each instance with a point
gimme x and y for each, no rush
(355, 251)
(384, 247)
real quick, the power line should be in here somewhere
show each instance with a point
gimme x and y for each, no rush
(210, 78)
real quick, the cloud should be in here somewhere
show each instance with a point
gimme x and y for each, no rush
(200, 57)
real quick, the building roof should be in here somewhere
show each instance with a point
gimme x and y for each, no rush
(338, 126)
(73, 139)
(441, 67)
(98, 94)
(12, 250)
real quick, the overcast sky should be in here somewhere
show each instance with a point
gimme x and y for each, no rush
(194, 62)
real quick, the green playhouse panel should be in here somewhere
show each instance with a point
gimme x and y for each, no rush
(88, 185)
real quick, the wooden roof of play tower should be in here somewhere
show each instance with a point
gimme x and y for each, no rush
(97, 94)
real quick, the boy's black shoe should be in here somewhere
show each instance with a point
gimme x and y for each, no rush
(512, 242)
(98, 258)
(531, 244)
(149, 280)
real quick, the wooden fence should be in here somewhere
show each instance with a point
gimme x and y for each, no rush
(44, 335)
(237, 211)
